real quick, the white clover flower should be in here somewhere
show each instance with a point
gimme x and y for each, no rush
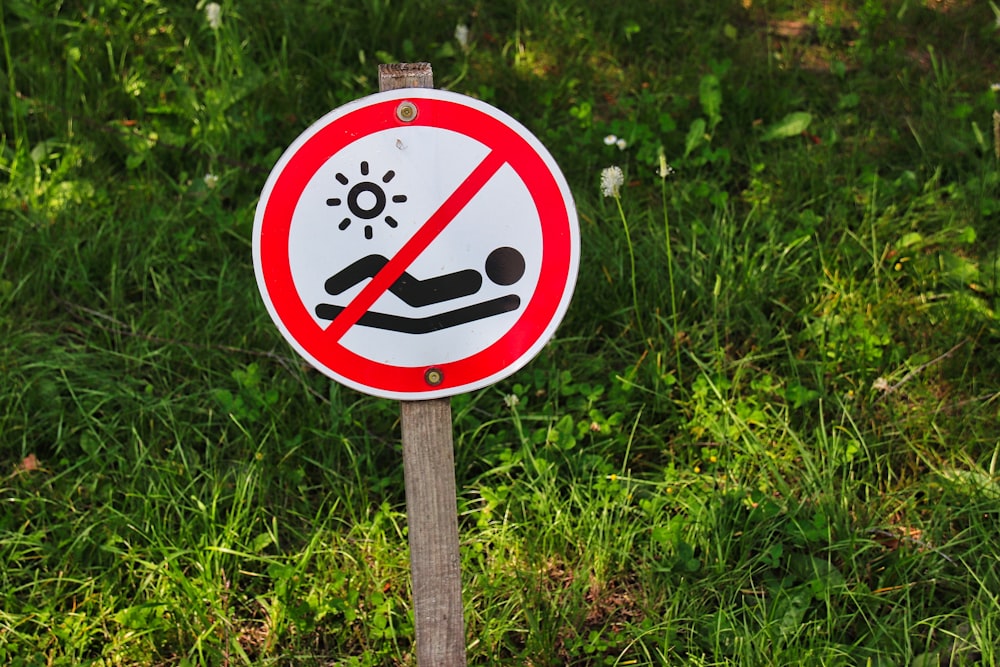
(511, 401)
(995, 87)
(610, 140)
(621, 144)
(213, 14)
(211, 180)
(462, 36)
(612, 179)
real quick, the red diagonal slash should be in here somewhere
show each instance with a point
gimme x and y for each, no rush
(429, 231)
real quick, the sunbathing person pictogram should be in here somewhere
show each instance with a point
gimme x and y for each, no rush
(504, 266)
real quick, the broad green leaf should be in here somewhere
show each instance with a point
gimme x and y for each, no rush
(910, 239)
(960, 269)
(791, 125)
(798, 395)
(695, 135)
(980, 137)
(710, 94)
(662, 534)
(790, 610)
(261, 542)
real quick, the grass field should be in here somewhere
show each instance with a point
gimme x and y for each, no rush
(766, 433)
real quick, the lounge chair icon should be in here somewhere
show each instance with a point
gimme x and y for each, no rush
(504, 266)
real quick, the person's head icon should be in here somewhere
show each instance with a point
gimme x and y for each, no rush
(505, 266)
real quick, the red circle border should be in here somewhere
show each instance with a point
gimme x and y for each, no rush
(508, 352)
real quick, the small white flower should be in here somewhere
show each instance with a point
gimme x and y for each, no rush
(995, 87)
(213, 14)
(665, 169)
(612, 179)
(211, 180)
(621, 144)
(462, 36)
(511, 401)
(610, 140)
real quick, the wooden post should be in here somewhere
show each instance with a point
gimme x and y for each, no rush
(405, 75)
(432, 520)
(431, 497)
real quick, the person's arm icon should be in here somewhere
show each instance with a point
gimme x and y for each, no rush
(504, 266)
(413, 291)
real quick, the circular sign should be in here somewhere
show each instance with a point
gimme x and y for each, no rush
(416, 244)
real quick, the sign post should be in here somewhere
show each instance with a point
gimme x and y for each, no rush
(416, 244)
(431, 496)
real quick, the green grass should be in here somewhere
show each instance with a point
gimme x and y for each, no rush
(773, 442)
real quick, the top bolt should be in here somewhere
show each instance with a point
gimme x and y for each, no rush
(406, 111)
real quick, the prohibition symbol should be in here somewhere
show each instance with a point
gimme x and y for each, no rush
(416, 244)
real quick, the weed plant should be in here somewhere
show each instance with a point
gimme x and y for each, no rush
(765, 434)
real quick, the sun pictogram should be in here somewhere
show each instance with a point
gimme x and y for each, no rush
(366, 200)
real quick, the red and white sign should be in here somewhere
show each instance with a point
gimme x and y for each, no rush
(416, 244)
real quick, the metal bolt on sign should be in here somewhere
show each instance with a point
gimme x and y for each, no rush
(406, 111)
(434, 376)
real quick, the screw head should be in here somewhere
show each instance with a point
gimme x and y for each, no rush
(433, 377)
(406, 111)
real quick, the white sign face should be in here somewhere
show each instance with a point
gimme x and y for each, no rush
(416, 244)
